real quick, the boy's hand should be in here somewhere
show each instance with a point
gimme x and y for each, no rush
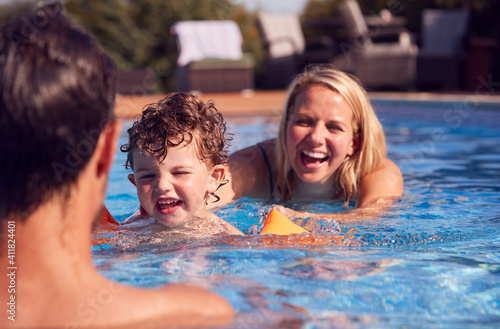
(290, 213)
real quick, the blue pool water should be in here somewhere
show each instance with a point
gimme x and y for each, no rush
(431, 261)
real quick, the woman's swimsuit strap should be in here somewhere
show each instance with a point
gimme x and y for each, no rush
(269, 169)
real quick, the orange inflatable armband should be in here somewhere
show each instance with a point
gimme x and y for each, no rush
(277, 223)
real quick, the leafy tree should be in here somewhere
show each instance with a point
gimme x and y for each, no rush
(112, 24)
(252, 42)
(136, 33)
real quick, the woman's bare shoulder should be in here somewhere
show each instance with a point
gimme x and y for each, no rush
(249, 170)
(247, 173)
(254, 152)
(385, 181)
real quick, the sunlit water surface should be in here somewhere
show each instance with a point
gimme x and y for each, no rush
(431, 261)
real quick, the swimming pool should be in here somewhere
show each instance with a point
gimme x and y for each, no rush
(431, 261)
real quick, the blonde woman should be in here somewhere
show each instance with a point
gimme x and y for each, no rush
(330, 146)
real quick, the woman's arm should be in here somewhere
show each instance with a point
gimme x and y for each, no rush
(377, 191)
(368, 212)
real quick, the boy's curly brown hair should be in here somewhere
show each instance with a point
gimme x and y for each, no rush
(178, 118)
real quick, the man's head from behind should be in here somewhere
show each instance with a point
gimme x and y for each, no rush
(56, 94)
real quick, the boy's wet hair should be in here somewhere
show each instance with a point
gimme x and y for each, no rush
(179, 118)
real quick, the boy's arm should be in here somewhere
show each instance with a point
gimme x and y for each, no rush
(135, 216)
(232, 230)
(139, 214)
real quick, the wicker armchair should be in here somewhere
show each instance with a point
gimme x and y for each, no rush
(287, 51)
(210, 57)
(377, 65)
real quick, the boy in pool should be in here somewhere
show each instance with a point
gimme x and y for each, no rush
(58, 138)
(177, 151)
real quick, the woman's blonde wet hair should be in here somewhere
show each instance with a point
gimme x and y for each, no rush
(371, 147)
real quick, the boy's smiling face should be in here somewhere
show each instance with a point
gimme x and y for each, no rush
(176, 189)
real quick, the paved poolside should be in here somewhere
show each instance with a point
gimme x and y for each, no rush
(271, 102)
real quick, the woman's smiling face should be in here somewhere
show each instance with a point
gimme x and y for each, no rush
(319, 135)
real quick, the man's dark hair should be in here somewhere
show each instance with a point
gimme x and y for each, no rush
(56, 94)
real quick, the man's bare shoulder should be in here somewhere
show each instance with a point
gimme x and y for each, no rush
(176, 305)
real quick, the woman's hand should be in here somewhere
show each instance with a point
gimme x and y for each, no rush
(369, 211)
